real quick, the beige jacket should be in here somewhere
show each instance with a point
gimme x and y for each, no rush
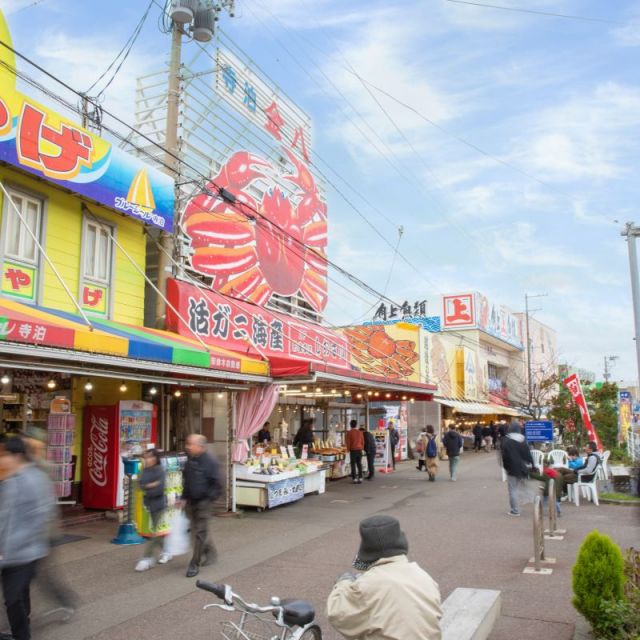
(394, 600)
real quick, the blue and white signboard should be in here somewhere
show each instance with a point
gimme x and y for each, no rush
(284, 491)
(538, 431)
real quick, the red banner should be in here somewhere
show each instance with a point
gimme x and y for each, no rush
(575, 389)
(240, 326)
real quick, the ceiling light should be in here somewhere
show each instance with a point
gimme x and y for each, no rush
(387, 395)
(5, 379)
(303, 387)
(404, 397)
(359, 395)
(376, 394)
(51, 384)
(220, 395)
(412, 400)
(347, 392)
(88, 386)
(369, 393)
(334, 391)
(123, 387)
(177, 393)
(153, 391)
(318, 390)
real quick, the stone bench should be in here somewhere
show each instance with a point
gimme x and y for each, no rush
(470, 614)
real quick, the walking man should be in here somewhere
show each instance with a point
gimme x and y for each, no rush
(355, 445)
(394, 439)
(200, 487)
(517, 461)
(26, 512)
(370, 451)
(477, 437)
(452, 442)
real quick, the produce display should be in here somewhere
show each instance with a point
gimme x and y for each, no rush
(269, 464)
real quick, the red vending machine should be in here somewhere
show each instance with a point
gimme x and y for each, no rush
(110, 432)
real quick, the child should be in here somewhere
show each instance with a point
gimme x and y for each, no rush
(152, 482)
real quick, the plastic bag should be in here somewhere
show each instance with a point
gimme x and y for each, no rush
(178, 542)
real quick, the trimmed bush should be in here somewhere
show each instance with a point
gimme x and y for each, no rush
(598, 576)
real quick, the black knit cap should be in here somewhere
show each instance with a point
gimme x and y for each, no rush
(381, 537)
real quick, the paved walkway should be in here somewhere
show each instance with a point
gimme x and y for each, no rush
(458, 531)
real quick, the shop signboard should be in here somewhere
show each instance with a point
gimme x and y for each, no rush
(19, 280)
(538, 431)
(95, 299)
(575, 389)
(226, 322)
(417, 309)
(472, 310)
(17, 329)
(40, 141)
(624, 414)
(284, 491)
(470, 374)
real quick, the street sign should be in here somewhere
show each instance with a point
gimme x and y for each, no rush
(538, 431)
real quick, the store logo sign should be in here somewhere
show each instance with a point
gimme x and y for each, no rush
(97, 451)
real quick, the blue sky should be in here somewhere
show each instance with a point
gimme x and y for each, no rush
(552, 103)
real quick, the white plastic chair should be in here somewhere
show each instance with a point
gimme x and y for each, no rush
(588, 489)
(559, 458)
(603, 467)
(538, 459)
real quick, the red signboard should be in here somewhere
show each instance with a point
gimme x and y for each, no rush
(458, 311)
(229, 323)
(575, 389)
(24, 329)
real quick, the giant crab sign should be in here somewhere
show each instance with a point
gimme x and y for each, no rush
(254, 248)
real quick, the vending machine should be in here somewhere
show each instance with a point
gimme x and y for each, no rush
(111, 432)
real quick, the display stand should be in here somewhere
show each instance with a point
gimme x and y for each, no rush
(60, 433)
(383, 452)
(127, 532)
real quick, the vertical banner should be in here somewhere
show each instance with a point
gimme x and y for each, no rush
(624, 415)
(575, 389)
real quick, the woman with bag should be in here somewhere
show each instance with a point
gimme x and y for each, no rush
(152, 483)
(431, 452)
(421, 449)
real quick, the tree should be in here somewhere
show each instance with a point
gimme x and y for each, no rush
(535, 400)
(603, 407)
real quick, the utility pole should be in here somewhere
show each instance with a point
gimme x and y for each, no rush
(527, 297)
(607, 371)
(631, 232)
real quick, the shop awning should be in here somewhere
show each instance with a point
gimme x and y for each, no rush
(49, 328)
(478, 408)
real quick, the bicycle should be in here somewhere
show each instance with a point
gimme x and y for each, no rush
(290, 619)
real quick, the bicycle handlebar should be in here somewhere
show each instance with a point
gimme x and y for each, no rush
(225, 593)
(219, 590)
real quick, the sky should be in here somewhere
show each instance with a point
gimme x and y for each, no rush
(504, 143)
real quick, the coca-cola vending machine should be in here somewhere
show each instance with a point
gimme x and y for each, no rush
(111, 432)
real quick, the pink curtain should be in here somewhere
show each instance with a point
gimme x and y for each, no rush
(252, 410)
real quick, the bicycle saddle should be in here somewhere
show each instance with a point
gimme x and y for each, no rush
(297, 612)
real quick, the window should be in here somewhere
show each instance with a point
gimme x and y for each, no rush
(19, 243)
(97, 245)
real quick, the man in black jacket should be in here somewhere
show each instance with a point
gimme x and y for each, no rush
(516, 460)
(200, 487)
(453, 443)
(370, 451)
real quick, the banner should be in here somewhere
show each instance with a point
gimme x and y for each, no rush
(624, 415)
(575, 389)
(40, 141)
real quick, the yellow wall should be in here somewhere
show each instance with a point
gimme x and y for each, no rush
(63, 234)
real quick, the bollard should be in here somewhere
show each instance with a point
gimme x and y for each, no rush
(553, 533)
(538, 541)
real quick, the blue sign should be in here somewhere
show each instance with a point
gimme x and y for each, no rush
(284, 491)
(538, 431)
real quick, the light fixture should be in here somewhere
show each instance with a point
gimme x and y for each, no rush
(359, 395)
(51, 384)
(88, 386)
(404, 397)
(303, 387)
(123, 387)
(347, 392)
(5, 379)
(334, 391)
(412, 400)
(387, 395)
(220, 395)
(369, 393)
(376, 394)
(318, 390)
(177, 393)
(153, 391)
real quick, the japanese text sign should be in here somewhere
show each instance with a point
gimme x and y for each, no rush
(42, 142)
(575, 389)
(225, 322)
(284, 491)
(19, 280)
(407, 310)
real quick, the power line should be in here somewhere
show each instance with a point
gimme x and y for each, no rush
(541, 13)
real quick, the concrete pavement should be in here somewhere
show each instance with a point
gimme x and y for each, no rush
(459, 532)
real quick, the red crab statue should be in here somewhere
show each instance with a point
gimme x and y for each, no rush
(255, 248)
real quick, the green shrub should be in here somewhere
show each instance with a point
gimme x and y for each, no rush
(598, 576)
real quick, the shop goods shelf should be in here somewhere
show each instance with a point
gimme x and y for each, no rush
(61, 472)
(61, 421)
(60, 438)
(59, 455)
(62, 489)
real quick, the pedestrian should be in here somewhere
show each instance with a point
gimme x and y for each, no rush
(370, 451)
(201, 485)
(517, 462)
(393, 598)
(394, 439)
(494, 434)
(431, 453)
(421, 448)
(304, 434)
(486, 438)
(502, 432)
(477, 437)
(26, 511)
(49, 578)
(452, 442)
(153, 483)
(355, 446)
(264, 435)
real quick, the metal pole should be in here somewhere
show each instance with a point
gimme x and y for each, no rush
(631, 232)
(606, 369)
(172, 164)
(526, 312)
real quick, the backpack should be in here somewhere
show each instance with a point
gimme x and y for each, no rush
(432, 448)
(420, 445)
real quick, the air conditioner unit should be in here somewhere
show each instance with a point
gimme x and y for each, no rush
(183, 11)
(204, 24)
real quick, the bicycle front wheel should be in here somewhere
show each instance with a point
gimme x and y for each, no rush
(312, 633)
